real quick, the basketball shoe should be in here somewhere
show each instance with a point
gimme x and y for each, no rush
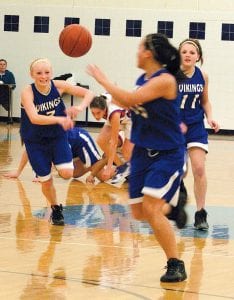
(175, 271)
(122, 172)
(201, 220)
(183, 194)
(56, 216)
(178, 213)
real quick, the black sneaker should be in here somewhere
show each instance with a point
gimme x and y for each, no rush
(175, 271)
(183, 194)
(178, 213)
(56, 216)
(200, 220)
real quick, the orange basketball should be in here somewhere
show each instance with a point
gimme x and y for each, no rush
(75, 40)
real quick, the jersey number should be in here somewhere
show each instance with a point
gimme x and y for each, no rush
(196, 96)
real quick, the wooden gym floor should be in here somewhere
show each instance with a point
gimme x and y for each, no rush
(101, 252)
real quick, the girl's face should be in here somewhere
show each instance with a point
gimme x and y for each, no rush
(98, 113)
(41, 72)
(141, 55)
(189, 55)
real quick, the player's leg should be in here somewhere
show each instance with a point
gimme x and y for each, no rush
(48, 190)
(40, 159)
(62, 157)
(127, 149)
(154, 186)
(123, 171)
(197, 158)
(87, 158)
(197, 144)
(79, 168)
(62, 160)
(164, 233)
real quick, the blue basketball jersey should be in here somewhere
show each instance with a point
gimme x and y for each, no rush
(50, 104)
(156, 124)
(191, 90)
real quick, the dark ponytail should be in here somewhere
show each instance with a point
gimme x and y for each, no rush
(165, 53)
(99, 102)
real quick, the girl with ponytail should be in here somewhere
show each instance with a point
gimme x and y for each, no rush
(159, 154)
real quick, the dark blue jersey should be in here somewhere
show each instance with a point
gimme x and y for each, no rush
(156, 124)
(191, 91)
(48, 105)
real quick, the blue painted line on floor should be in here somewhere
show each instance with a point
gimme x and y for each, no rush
(118, 217)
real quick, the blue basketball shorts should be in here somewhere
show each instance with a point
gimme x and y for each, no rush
(42, 155)
(156, 174)
(197, 136)
(88, 152)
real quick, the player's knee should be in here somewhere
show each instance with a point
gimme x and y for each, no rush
(199, 171)
(137, 214)
(150, 210)
(66, 173)
(46, 184)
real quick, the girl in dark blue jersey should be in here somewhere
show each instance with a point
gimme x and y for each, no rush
(44, 121)
(86, 157)
(195, 106)
(158, 155)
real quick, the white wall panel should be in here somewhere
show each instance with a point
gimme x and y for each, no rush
(116, 54)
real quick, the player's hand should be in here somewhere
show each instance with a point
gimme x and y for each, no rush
(183, 127)
(13, 174)
(66, 122)
(96, 73)
(107, 173)
(36, 179)
(73, 111)
(90, 179)
(214, 125)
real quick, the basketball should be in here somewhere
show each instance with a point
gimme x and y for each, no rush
(75, 40)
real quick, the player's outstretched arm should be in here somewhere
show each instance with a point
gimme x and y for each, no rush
(21, 166)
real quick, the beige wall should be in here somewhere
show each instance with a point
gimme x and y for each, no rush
(224, 5)
(116, 53)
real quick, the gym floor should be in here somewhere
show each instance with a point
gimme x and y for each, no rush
(101, 252)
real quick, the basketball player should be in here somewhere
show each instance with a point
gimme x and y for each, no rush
(43, 128)
(158, 156)
(117, 119)
(86, 157)
(195, 105)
